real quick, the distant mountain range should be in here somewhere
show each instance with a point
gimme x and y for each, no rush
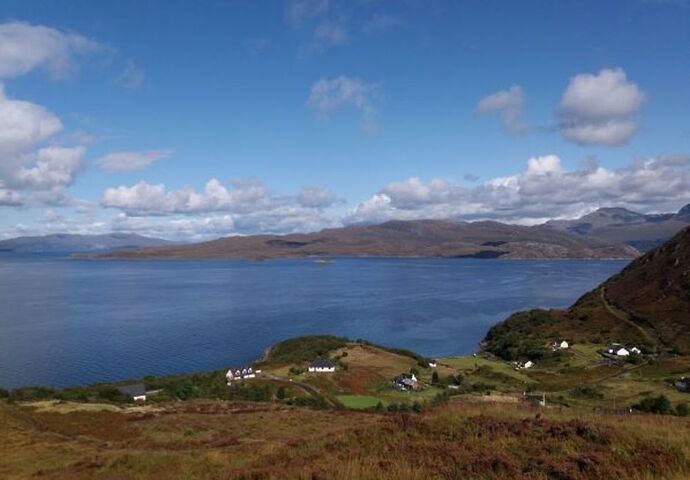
(647, 304)
(419, 238)
(618, 225)
(67, 243)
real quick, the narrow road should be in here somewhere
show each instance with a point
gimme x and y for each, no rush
(310, 389)
(622, 315)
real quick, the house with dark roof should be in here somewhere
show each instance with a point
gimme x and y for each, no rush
(240, 373)
(321, 365)
(135, 390)
(683, 384)
(405, 382)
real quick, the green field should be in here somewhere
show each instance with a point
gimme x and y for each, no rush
(472, 363)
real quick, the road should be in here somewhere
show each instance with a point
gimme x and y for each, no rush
(310, 389)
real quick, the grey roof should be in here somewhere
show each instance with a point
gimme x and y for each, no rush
(133, 389)
(322, 363)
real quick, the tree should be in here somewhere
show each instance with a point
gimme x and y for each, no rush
(660, 405)
(434, 378)
(280, 394)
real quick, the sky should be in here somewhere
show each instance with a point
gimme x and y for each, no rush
(194, 120)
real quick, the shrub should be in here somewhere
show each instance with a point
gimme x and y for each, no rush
(521, 335)
(33, 393)
(303, 349)
(659, 405)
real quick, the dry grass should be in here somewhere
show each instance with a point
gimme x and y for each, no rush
(188, 440)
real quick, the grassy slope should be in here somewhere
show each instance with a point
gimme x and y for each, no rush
(232, 440)
(472, 436)
(647, 303)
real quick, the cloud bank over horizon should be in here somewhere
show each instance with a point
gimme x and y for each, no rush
(154, 184)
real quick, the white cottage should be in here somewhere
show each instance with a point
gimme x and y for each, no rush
(321, 365)
(135, 390)
(239, 374)
(618, 350)
(560, 345)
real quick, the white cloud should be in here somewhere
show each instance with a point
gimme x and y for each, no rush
(544, 190)
(544, 165)
(29, 172)
(133, 160)
(25, 47)
(145, 199)
(329, 95)
(316, 197)
(600, 109)
(248, 207)
(508, 104)
(23, 125)
(53, 167)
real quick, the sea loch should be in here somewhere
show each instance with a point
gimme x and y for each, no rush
(68, 322)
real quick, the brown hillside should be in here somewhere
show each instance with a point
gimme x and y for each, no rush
(423, 238)
(654, 292)
(647, 303)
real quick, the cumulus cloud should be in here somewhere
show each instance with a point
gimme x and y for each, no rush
(132, 160)
(29, 172)
(316, 197)
(25, 47)
(144, 199)
(543, 191)
(508, 105)
(23, 125)
(332, 94)
(52, 167)
(600, 108)
(246, 207)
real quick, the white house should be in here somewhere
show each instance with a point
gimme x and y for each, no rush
(239, 374)
(635, 350)
(528, 364)
(321, 365)
(560, 345)
(618, 350)
(136, 390)
(405, 382)
(433, 363)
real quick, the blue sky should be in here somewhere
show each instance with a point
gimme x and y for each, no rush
(200, 119)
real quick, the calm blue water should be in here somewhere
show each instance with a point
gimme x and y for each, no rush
(67, 322)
